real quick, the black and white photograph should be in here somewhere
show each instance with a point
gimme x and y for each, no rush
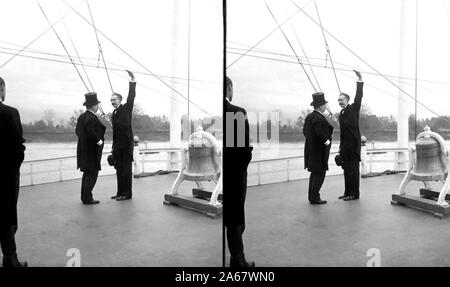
(111, 133)
(347, 108)
(228, 142)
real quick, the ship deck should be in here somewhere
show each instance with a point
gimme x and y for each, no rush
(137, 232)
(283, 229)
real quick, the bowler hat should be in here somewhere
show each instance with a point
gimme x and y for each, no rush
(111, 160)
(338, 159)
(318, 99)
(91, 99)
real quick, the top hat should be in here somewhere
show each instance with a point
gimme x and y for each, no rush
(318, 99)
(91, 99)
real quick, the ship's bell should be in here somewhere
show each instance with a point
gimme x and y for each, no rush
(428, 160)
(203, 160)
(202, 163)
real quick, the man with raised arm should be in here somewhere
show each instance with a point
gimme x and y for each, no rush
(122, 147)
(350, 145)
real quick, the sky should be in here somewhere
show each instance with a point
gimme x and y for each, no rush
(143, 29)
(370, 29)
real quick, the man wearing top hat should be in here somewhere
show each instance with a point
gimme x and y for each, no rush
(91, 135)
(122, 147)
(317, 131)
(350, 145)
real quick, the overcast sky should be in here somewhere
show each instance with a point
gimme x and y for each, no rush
(371, 29)
(144, 29)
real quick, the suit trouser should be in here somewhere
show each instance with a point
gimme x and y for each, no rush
(316, 180)
(7, 233)
(124, 164)
(234, 239)
(351, 175)
(8, 241)
(87, 185)
(234, 212)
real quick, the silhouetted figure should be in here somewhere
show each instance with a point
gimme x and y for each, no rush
(91, 136)
(318, 132)
(236, 160)
(12, 148)
(122, 147)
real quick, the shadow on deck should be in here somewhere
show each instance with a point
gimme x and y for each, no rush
(283, 229)
(139, 232)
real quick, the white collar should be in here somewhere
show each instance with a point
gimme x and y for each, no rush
(91, 112)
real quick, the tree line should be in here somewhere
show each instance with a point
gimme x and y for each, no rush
(156, 128)
(372, 126)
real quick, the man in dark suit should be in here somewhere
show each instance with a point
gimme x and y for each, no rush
(12, 148)
(317, 131)
(122, 147)
(350, 146)
(237, 157)
(91, 135)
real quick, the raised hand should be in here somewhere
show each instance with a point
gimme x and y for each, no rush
(358, 74)
(131, 75)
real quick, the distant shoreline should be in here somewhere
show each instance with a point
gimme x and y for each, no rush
(58, 137)
(164, 136)
(371, 136)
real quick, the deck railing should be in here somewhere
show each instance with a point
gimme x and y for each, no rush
(261, 171)
(273, 170)
(65, 168)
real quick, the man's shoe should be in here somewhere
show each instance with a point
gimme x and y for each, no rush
(123, 197)
(319, 202)
(350, 197)
(342, 196)
(240, 262)
(92, 202)
(114, 196)
(13, 262)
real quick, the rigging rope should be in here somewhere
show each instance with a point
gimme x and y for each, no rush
(265, 37)
(39, 36)
(78, 56)
(100, 47)
(361, 59)
(189, 67)
(263, 51)
(331, 61)
(306, 57)
(136, 61)
(327, 48)
(65, 49)
(415, 81)
(338, 70)
(292, 48)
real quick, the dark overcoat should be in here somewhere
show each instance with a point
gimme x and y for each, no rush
(350, 145)
(12, 150)
(317, 130)
(121, 124)
(90, 131)
(236, 158)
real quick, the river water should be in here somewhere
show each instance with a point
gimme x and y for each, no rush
(34, 171)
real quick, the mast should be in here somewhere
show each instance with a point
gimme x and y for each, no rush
(403, 68)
